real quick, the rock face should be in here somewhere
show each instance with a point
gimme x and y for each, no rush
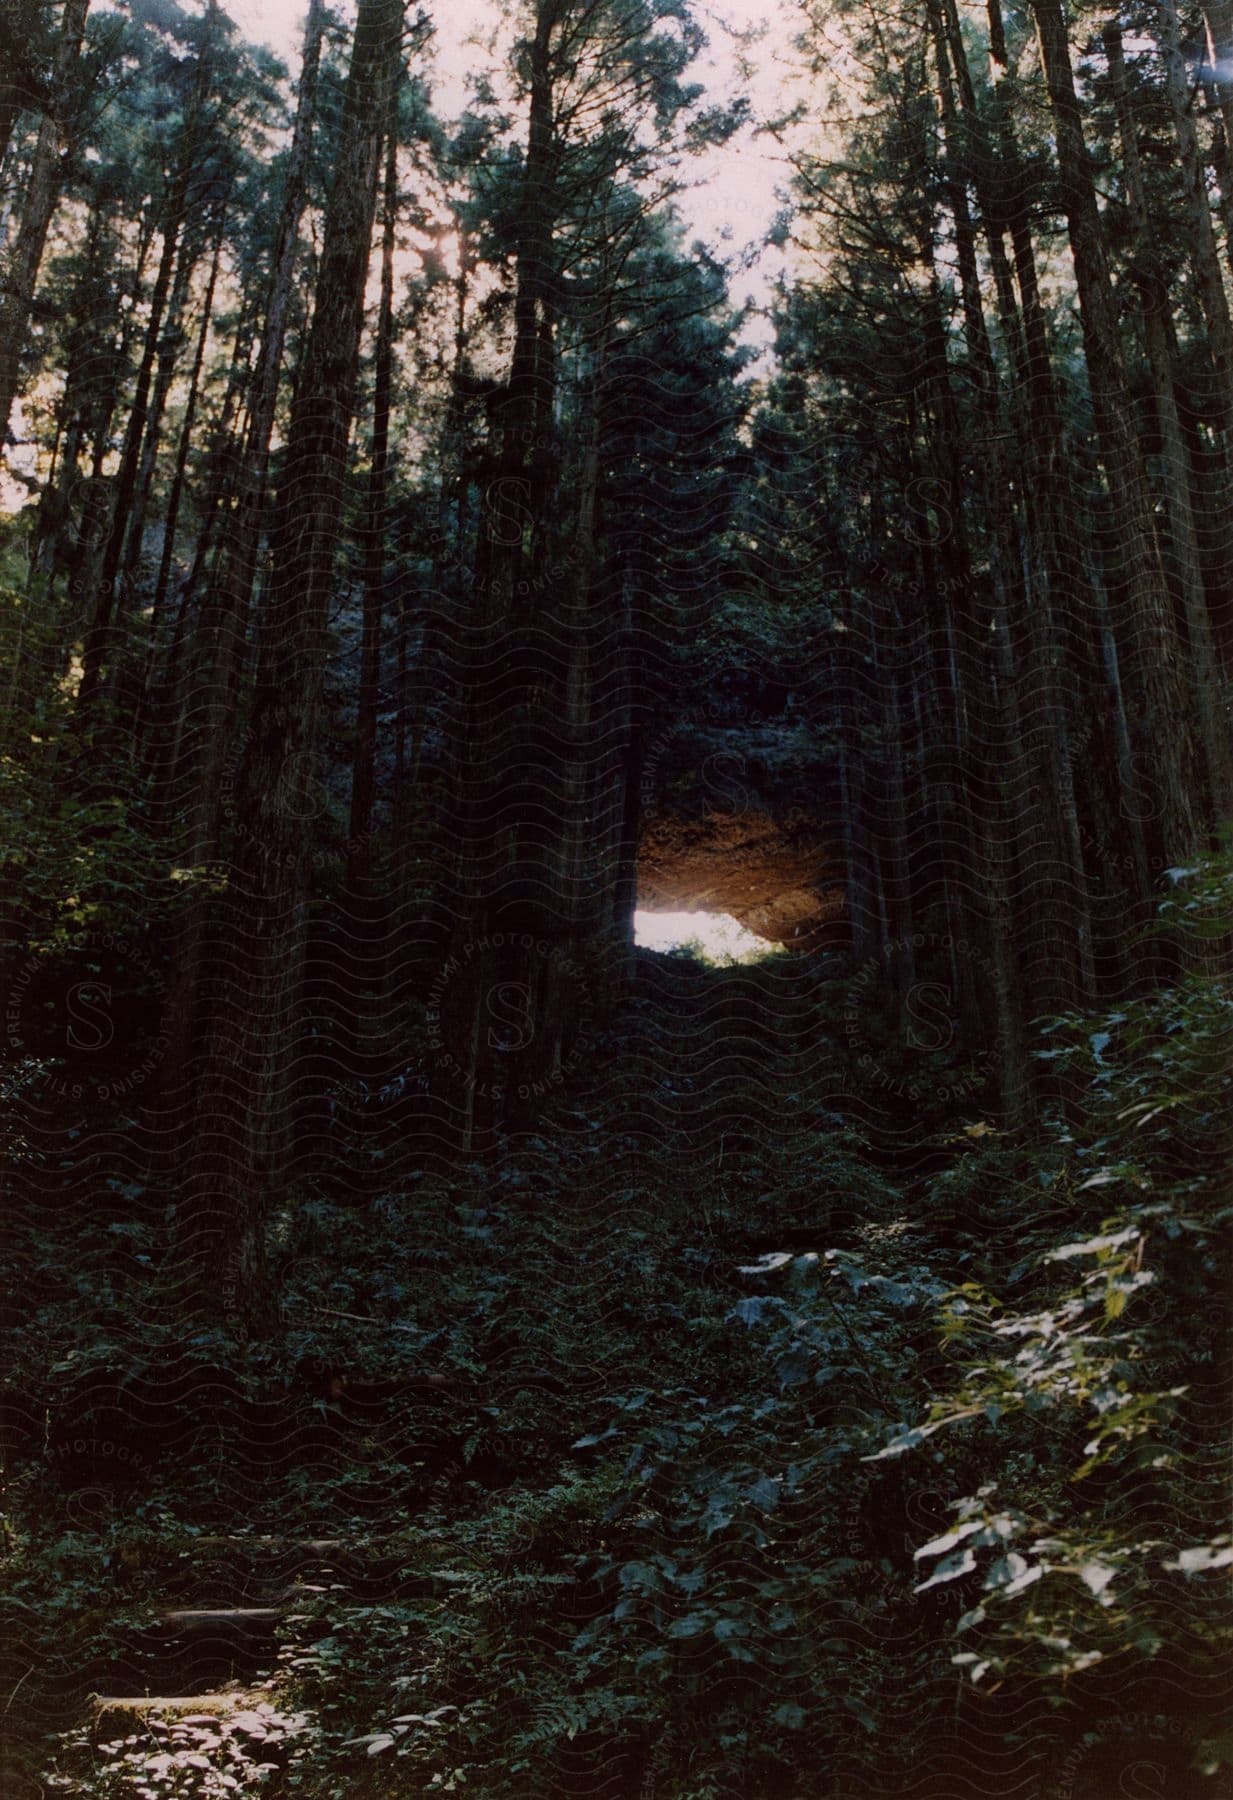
(741, 817)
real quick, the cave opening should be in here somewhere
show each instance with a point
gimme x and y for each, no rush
(749, 884)
(713, 936)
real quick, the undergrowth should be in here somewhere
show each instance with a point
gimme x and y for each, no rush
(674, 1510)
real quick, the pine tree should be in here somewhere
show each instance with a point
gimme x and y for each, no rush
(20, 268)
(246, 1084)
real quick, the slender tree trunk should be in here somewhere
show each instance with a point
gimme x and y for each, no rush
(1218, 83)
(175, 497)
(1186, 562)
(1218, 20)
(1046, 845)
(860, 855)
(504, 854)
(202, 745)
(19, 268)
(83, 565)
(81, 382)
(246, 1089)
(224, 618)
(166, 706)
(11, 109)
(99, 646)
(365, 1027)
(894, 679)
(363, 774)
(223, 453)
(109, 603)
(170, 345)
(998, 766)
(1160, 729)
(1203, 253)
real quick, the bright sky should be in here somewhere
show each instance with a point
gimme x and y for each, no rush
(736, 200)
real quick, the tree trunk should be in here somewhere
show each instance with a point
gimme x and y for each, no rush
(1218, 81)
(1160, 726)
(1203, 254)
(171, 342)
(1186, 562)
(224, 619)
(363, 774)
(994, 772)
(197, 757)
(161, 702)
(108, 603)
(1045, 849)
(11, 109)
(99, 645)
(20, 268)
(246, 1089)
(170, 522)
(517, 651)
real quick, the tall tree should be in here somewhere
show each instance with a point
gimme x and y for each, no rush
(26, 54)
(604, 97)
(187, 425)
(1201, 235)
(20, 267)
(245, 1086)
(1185, 562)
(185, 189)
(363, 778)
(1155, 672)
(223, 625)
(1057, 591)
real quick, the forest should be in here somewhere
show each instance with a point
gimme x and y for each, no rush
(617, 888)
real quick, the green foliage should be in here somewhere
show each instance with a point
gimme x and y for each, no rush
(1098, 1387)
(238, 1752)
(961, 1422)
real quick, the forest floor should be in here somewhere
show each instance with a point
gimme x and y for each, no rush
(561, 1474)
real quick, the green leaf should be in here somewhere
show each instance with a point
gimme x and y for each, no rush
(1112, 1240)
(949, 1569)
(948, 1542)
(860, 1711)
(764, 1492)
(692, 1625)
(1096, 1576)
(1203, 1556)
(730, 1628)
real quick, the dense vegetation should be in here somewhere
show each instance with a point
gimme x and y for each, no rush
(451, 1349)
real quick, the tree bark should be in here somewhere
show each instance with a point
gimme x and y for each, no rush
(1218, 81)
(363, 774)
(19, 269)
(203, 742)
(1203, 254)
(171, 343)
(98, 652)
(1159, 726)
(1045, 850)
(246, 1089)
(109, 597)
(999, 764)
(174, 498)
(504, 874)
(1186, 561)
(223, 625)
